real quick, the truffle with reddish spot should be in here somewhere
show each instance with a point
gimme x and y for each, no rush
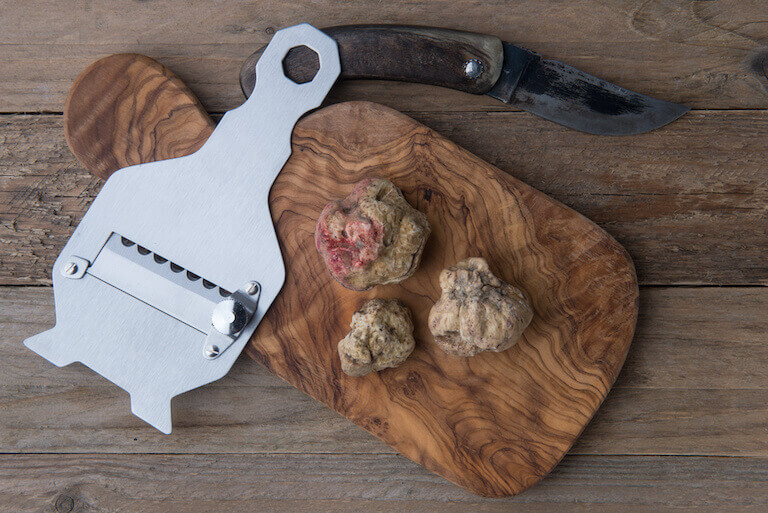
(371, 237)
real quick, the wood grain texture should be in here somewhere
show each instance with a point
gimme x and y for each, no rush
(432, 56)
(113, 127)
(671, 398)
(494, 424)
(376, 483)
(672, 198)
(702, 54)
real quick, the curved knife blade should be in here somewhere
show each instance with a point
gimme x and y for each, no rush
(482, 64)
(563, 94)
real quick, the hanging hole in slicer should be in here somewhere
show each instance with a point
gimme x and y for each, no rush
(301, 64)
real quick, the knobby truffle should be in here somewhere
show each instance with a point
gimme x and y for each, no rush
(371, 237)
(381, 337)
(477, 311)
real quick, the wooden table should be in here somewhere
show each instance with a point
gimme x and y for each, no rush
(686, 425)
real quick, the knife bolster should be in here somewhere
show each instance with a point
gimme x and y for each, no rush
(516, 61)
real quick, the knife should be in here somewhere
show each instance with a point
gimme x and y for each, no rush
(482, 64)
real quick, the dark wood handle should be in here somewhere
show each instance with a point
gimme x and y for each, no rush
(450, 58)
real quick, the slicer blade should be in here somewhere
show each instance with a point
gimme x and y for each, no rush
(133, 315)
(153, 279)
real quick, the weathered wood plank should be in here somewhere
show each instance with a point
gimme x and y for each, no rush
(688, 201)
(673, 396)
(706, 338)
(378, 483)
(705, 54)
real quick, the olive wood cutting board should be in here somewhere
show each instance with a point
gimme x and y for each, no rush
(495, 423)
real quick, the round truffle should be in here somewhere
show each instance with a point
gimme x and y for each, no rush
(371, 237)
(381, 337)
(477, 311)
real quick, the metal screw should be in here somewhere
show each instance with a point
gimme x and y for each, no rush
(473, 68)
(252, 288)
(211, 351)
(70, 268)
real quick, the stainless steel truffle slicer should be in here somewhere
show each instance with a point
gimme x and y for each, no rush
(142, 288)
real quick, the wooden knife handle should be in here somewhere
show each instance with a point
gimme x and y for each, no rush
(450, 58)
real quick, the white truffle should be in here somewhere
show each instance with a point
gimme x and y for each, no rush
(381, 336)
(371, 237)
(477, 311)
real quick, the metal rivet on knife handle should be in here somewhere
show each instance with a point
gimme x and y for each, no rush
(473, 68)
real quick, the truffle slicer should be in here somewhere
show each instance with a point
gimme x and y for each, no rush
(142, 287)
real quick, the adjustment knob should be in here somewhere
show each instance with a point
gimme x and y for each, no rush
(229, 317)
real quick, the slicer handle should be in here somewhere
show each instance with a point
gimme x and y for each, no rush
(267, 118)
(272, 78)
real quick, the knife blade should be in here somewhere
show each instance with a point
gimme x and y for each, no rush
(483, 64)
